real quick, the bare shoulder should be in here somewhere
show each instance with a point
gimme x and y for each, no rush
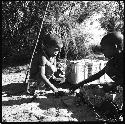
(42, 60)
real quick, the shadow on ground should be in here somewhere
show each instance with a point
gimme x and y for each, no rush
(14, 89)
(80, 113)
(19, 97)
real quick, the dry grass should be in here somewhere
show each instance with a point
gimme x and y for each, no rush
(16, 105)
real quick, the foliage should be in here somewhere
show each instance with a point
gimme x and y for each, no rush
(79, 24)
(20, 26)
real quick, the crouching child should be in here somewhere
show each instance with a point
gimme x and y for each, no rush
(43, 65)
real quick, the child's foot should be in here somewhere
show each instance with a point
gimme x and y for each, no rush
(31, 91)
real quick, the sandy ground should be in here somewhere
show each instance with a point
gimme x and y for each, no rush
(17, 105)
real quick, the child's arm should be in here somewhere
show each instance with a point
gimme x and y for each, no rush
(93, 77)
(90, 79)
(43, 76)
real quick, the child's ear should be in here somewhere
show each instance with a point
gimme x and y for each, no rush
(116, 46)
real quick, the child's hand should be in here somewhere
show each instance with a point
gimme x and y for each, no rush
(74, 87)
(53, 77)
(61, 92)
(56, 90)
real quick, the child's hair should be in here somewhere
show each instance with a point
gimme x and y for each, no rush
(47, 39)
(113, 39)
(52, 40)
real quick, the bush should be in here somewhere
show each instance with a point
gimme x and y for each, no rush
(72, 20)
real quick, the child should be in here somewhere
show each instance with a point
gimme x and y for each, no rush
(44, 63)
(112, 46)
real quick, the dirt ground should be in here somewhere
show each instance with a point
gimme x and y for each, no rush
(18, 107)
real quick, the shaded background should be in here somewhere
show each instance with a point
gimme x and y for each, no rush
(80, 24)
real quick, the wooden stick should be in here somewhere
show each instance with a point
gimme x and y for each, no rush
(27, 76)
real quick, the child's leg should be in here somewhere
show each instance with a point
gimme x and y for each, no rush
(118, 94)
(95, 89)
(119, 98)
(108, 88)
(40, 83)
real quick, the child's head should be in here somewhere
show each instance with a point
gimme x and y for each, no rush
(53, 44)
(111, 44)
